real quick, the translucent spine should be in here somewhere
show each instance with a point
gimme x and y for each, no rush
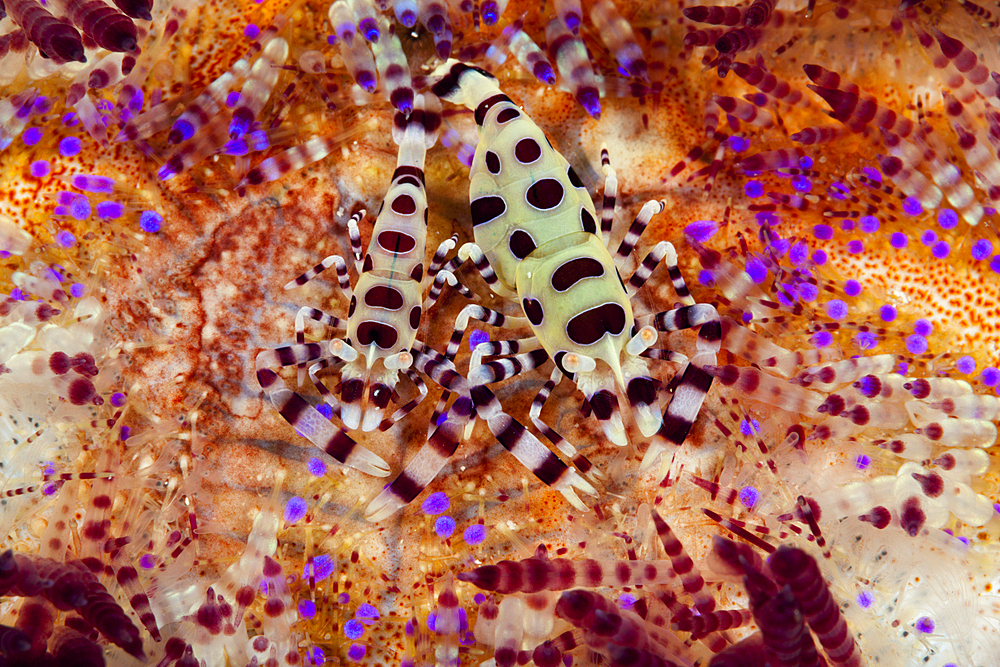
(573, 61)
(104, 24)
(617, 35)
(258, 86)
(360, 63)
(394, 70)
(434, 15)
(527, 53)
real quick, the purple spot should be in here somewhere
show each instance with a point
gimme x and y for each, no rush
(32, 136)
(316, 655)
(821, 339)
(706, 278)
(739, 144)
(990, 377)
(862, 462)
(925, 624)
(150, 221)
(749, 428)
(436, 503)
(40, 169)
(476, 337)
(855, 246)
(479, 598)
(916, 344)
(410, 628)
(753, 189)
(432, 621)
(475, 534)
(125, 433)
(444, 527)
(702, 230)
(798, 253)
(317, 468)
(325, 410)
(757, 270)
(95, 184)
(80, 208)
(50, 489)
(847, 225)
(147, 561)
(77, 290)
(947, 218)
(995, 264)
(70, 119)
(966, 365)
(69, 146)
(442, 418)
(356, 652)
(887, 313)
(808, 291)
(964, 540)
(941, 249)
(806, 162)
(866, 340)
(749, 496)
(354, 629)
(343, 598)
(307, 609)
(823, 232)
(251, 31)
(981, 249)
(819, 257)
(232, 99)
(626, 600)
(836, 309)
(898, 240)
(295, 509)
(923, 327)
(838, 191)
(17, 294)
(868, 224)
(912, 206)
(367, 613)
(852, 288)
(66, 239)
(109, 210)
(117, 399)
(929, 237)
(865, 599)
(802, 184)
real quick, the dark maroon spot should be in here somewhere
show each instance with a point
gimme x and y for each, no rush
(379, 395)
(590, 326)
(533, 310)
(912, 516)
(396, 242)
(409, 174)
(351, 390)
(382, 296)
(521, 244)
(603, 404)
(382, 335)
(404, 205)
(486, 209)
(878, 517)
(527, 151)
(368, 263)
(409, 180)
(574, 271)
(414, 317)
(507, 114)
(932, 484)
(487, 104)
(545, 194)
(589, 224)
(59, 363)
(81, 391)
(353, 306)
(641, 391)
(493, 162)
(574, 178)
(933, 431)
(417, 272)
